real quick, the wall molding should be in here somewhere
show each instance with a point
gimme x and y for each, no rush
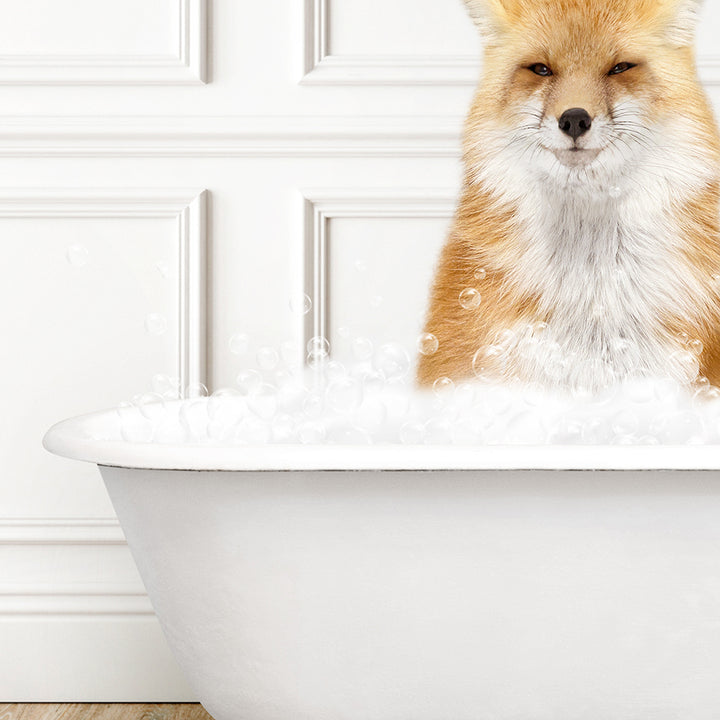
(322, 205)
(48, 597)
(230, 136)
(321, 67)
(188, 207)
(61, 531)
(78, 599)
(187, 66)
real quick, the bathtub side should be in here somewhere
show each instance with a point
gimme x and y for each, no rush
(387, 595)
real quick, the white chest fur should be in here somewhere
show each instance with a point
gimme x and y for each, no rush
(608, 270)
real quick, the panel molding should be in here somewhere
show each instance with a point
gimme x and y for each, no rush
(186, 66)
(61, 531)
(187, 207)
(42, 596)
(322, 205)
(230, 136)
(323, 68)
(78, 599)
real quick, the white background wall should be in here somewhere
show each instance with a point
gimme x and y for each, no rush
(134, 135)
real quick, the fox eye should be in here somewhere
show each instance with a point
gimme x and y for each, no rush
(621, 68)
(540, 69)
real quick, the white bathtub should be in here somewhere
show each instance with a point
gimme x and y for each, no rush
(426, 583)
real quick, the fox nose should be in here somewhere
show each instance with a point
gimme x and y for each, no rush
(575, 122)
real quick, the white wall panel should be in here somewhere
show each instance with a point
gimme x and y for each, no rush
(370, 262)
(100, 285)
(102, 41)
(379, 273)
(406, 42)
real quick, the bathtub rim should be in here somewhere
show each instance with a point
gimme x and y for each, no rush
(73, 438)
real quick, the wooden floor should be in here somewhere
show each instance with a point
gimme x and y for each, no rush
(100, 711)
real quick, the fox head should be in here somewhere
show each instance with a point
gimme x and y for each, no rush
(580, 93)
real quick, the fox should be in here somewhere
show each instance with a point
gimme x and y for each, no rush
(585, 246)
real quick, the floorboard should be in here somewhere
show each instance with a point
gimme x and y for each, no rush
(102, 711)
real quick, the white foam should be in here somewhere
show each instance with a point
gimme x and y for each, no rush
(375, 402)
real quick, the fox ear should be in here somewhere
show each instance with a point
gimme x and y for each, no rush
(489, 16)
(681, 19)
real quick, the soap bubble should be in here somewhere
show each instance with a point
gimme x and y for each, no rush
(427, 344)
(695, 347)
(223, 404)
(300, 305)
(640, 390)
(290, 353)
(371, 415)
(438, 431)
(480, 273)
(442, 386)
(263, 401)
(248, 381)
(374, 381)
(137, 430)
(239, 344)
(318, 347)
(505, 339)
(526, 428)
(465, 395)
(487, 361)
(392, 360)
(126, 410)
(155, 324)
(283, 428)
(348, 435)
(666, 390)
(267, 358)
(684, 366)
(567, 431)
(194, 418)
(362, 348)
(625, 423)
(344, 395)
(317, 361)
(313, 406)
(470, 298)
(166, 386)
(253, 431)
(151, 405)
(677, 427)
(77, 255)
(312, 432)
(596, 431)
(412, 433)
(466, 432)
(706, 394)
(195, 390)
(335, 370)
